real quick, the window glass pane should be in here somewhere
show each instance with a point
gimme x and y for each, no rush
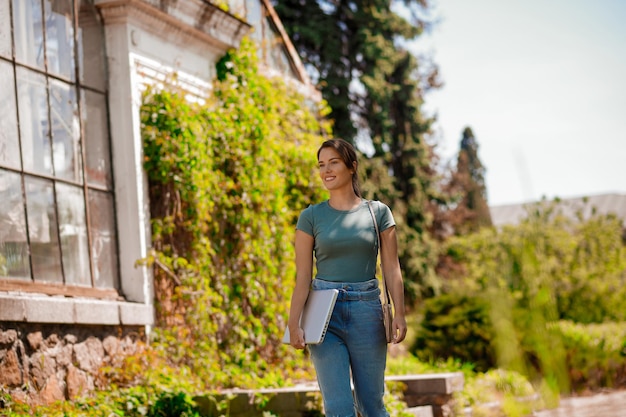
(91, 46)
(73, 230)
(96, 137)
(28, 32)
(103, 243)
(9, 143)
(5, 29)
(34, 127)
(65, 131)
(42, 230)
(43, 224)
(13, 245)
(60, 37)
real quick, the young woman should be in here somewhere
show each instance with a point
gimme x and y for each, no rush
(340, 234)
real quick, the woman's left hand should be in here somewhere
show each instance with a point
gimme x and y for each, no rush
(399, 329)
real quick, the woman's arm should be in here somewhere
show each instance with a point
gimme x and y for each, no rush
(393, 279)
(304, 273)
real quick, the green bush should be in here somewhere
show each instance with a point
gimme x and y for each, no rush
(572, 269)
(595, 353)
(456, 326)
(500, 393)
(567, 355)
(178, 404)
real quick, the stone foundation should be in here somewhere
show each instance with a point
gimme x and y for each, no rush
(40, 364)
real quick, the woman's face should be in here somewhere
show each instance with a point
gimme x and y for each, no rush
(333, 171)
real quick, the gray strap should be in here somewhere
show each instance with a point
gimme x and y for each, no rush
(385, 290)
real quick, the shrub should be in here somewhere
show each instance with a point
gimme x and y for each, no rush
(177, 404)
(595, 353)
(456, 326)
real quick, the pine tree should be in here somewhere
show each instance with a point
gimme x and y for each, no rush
(468, 183)
(376, 88)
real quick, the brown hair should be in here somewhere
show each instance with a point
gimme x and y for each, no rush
(348, 155)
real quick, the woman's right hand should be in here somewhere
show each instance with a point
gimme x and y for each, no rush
(304, 270)
(296, 339)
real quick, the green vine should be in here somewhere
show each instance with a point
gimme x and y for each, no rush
(227, 180)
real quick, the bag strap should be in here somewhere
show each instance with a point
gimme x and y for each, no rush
(385, 290)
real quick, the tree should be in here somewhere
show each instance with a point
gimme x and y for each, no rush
(467, 186)
(375, 89)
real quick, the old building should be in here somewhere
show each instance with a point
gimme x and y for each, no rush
(604, 204)
(73, 199)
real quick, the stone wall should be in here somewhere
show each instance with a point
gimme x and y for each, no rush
(40, 364)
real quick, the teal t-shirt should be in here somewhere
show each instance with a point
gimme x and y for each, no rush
(345, 245)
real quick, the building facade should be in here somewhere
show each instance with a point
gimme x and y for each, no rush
(603, 204)
(74, 219)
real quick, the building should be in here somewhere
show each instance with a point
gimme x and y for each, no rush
(613, 203)
(74, 216)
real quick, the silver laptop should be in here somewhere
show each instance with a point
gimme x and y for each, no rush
(316, 315)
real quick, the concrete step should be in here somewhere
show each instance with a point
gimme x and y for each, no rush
(425, 395)
(421, 411)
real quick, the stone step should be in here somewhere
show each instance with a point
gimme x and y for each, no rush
(434, 390)
(426, 395)
(421, 411)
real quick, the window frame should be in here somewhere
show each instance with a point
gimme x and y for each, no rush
(74, 82)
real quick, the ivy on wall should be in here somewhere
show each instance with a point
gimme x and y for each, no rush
(227, 180)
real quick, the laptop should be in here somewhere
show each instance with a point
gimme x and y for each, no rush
(316, 315)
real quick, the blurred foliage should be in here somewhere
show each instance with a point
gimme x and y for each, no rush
(525, 278)
(595, 354)
(177, 404)
(570, 268)
(499, 392)
(456, 326)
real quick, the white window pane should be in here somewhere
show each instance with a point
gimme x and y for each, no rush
(28, 32)
(65, 131)
(34, 127)
(103, 241)
(73, 231)
(5, 29)
(96, 138)
(43, 226)
(9, 143)
(13, 245)
(91, 46)
(60, 37)
(42, 230)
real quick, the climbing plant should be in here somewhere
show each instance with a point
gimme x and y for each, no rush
(227, 179)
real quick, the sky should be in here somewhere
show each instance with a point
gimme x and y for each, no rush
(542, 84)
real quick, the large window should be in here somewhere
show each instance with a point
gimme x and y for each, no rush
(57, 225)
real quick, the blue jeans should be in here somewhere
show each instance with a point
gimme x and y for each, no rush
(354, 343)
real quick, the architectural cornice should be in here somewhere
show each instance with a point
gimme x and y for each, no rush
(294, 57)
(188, 21)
